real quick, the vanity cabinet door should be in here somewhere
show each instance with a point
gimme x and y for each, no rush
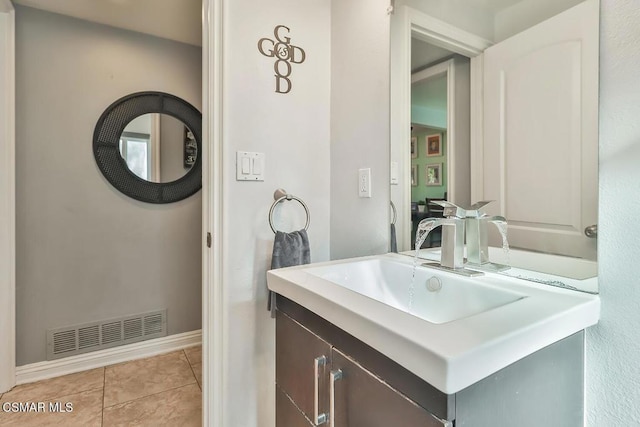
(301, 372)
(287, 414)
(360, 399)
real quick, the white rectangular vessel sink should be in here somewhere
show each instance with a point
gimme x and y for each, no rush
(434, 297)
(452, 337)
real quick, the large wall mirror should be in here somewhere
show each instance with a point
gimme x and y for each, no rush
(148, 145)
(512, 119)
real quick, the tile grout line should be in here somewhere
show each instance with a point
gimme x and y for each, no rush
(195, 381)
(104, 392)
(149, 395)
(54, 397)
(192, 371)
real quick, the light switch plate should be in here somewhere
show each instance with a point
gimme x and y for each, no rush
(250, 166)
(364, 182)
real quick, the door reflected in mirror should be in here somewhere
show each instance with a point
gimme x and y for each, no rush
(158, 147)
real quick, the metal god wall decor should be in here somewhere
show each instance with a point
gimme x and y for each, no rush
(285, 54)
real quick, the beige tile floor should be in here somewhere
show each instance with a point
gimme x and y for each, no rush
(163, 390)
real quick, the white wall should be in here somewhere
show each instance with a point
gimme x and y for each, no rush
(613, 346)
(359, 126)
(293, 131)
(85, 251)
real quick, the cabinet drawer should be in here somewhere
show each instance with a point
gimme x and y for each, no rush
(297, 348)
(363, 400)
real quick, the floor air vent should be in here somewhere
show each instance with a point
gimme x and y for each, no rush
(63, 342)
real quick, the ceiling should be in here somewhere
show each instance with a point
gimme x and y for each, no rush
(494, 5)
(424, 54)
(178, 20)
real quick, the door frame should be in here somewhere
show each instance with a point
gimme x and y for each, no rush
(214, 358)
(212, 291)
(407, 23)
(7, 198)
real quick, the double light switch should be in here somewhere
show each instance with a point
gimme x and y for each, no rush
(249, 166)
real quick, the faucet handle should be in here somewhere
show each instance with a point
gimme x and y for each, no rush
(474, 210)
(479, 205)
(450, 210)
(453, 210)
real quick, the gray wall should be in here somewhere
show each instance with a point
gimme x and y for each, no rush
(171, 149)
(359, 126)
(86, 252)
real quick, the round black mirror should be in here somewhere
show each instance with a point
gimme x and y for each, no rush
(148, 146)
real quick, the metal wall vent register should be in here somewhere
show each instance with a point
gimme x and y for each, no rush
(63, 342)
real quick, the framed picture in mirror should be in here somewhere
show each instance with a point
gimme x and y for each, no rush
(434, 145)
(414, 175)
(434, 175)
(414, 147)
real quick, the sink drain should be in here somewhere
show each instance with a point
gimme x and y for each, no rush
(434, 284)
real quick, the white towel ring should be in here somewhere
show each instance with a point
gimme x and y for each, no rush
(282, 198)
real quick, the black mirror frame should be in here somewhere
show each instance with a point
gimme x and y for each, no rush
(106, 150)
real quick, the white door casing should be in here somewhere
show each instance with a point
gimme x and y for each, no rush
(541, 133)
(7, 197)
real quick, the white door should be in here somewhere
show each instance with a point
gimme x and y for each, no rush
(540, 157)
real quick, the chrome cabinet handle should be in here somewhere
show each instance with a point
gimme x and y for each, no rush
(591, 231)
(318, 418)
(335, 376)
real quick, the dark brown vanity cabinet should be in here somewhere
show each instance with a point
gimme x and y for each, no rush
(324, 376)
(316, 382)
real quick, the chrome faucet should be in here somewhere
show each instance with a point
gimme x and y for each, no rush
(455, 223)
(452, 250)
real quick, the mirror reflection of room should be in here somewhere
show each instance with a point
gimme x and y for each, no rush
(158, 147)
(430, 139)
(540, 175)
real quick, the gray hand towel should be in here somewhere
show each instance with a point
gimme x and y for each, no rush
(289, 249)
(394, 241)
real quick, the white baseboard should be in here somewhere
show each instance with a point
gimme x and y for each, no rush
(97, 359)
